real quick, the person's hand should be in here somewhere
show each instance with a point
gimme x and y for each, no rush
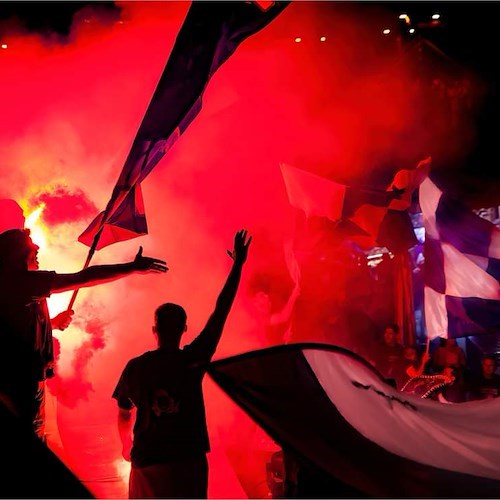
(62, 320)
(241, 244)
(148, 264)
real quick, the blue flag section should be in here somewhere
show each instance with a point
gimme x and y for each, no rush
(210, 34)
(462, 267)
(331, 409)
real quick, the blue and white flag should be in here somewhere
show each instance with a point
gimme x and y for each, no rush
(210, 34)
(462, 267)
(333, 410)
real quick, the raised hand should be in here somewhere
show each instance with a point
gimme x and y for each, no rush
(149, 264)
(241, 244)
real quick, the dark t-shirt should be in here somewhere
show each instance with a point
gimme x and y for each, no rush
(166, 387)
(484, 388)
(25, 333)
(389, 359)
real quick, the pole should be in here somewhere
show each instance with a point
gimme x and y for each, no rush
(87, 263)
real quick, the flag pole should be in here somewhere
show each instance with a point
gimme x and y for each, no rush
(87, 263)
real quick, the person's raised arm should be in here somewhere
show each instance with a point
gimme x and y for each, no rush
(206, 342)
(95, 275)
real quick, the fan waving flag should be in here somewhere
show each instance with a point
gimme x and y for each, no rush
(462, 268)
(211, 32)
(331, 409)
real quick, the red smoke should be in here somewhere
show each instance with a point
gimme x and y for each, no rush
(349, 108)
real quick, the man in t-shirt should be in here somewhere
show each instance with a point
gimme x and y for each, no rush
(26, 353)
(170, 438)
(487, 384)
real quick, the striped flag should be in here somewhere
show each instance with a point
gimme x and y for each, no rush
(331, 409)
(211, 32)
(462, 267)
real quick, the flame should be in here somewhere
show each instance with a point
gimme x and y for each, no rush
(34, 224)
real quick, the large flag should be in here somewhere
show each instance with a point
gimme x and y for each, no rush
(382, 216)
(462, 267)
(211, 32)
(333, 410)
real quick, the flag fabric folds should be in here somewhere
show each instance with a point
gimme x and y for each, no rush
(211, 32)
(462, 267)
(333, 410)
(381, 217)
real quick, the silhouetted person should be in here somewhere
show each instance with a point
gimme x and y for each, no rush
(26, 357)
(170, 437)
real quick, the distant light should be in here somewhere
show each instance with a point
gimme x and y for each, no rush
(298, 39)
(405, 17)
(4, 45)
(322, 39)
(386, 31)
(411, 30)
(435, 16)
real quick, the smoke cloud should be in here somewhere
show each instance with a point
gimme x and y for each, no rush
(349, 108)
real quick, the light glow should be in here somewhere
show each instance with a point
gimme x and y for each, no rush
(37, 231)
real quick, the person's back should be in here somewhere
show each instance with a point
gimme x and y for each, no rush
(170, 437)
(166, 388)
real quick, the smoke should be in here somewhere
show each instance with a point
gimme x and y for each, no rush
(348, 108)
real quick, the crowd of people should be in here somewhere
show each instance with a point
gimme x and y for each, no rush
(441, 373)
(161, 415)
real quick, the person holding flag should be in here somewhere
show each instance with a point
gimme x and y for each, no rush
(26, 358)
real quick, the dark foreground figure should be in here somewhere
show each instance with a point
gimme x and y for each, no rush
(29, 469)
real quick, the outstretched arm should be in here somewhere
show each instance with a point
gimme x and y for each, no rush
(205, 344)
(95, 275)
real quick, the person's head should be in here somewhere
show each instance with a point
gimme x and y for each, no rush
(17, 250)
(170, 324)
(410, 353)
(488, 365)
(391, 333)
